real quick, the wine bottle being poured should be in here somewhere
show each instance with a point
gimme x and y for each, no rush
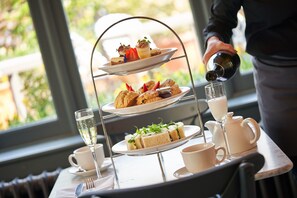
(222, 66)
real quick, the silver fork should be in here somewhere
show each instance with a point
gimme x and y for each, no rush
(89, 183)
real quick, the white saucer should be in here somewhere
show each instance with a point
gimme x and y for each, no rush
(183, 172)
(104, 166)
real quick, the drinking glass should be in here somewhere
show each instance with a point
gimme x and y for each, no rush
(88, 131)
(217, 102)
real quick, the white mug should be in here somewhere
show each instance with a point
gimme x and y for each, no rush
(84, 158)
(200, 157)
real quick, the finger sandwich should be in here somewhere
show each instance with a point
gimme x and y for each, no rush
(133, 141)
(155, 139)
(154, 135)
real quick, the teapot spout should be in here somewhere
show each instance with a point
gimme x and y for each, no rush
(210, 125)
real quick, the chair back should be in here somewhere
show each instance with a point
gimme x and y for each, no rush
(233, 179)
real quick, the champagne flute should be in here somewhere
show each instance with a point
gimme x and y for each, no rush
(217, 102)
(88, 131)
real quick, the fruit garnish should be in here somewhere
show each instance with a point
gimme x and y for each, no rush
(144, 87)
(157, 85)
(129, 88)
(131, 54)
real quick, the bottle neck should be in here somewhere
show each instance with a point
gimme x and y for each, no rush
(216, 71)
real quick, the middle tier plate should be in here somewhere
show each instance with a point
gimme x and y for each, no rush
(190, 132)
(144, 108)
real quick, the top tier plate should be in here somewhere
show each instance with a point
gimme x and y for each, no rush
(139, 65)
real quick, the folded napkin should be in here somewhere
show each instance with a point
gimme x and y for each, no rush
(105, 183)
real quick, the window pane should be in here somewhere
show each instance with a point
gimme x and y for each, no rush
(24, 90)
(88, 19)
(240, 43)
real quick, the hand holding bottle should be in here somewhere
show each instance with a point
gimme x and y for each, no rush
(214, 44)
(222, 66)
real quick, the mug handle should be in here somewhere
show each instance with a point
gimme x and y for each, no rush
(224, 156)
(70, 159)
(255, 126)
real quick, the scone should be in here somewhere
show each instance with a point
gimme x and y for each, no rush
(148, 97)
(168, 83)
(149, 85)
(125, 99)
(175, 89)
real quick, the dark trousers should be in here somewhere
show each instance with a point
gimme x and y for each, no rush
(276, 87)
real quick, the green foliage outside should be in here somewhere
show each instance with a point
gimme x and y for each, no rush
(38, 98)
(19, 38)
(245, 62)
(82, 21)
(17, 28)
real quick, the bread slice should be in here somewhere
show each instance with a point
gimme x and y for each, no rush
(176, 131)
(172, 130)
(180, 129)
(130, 142)
(155, 139)
(138, 142)
(133, 141)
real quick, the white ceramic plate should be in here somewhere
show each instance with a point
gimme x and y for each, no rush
(190, 131)
(139, 65)
(105, 165)
(144, 108)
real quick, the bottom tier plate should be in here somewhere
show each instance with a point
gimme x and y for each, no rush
(190, 132)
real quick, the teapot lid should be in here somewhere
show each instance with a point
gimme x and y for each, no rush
(230, 118)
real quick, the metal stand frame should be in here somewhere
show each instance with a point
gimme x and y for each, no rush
(108, 141)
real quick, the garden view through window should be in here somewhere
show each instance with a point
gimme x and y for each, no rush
(87, 24)
(24, 89)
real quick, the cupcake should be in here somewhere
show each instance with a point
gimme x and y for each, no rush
(143, 48)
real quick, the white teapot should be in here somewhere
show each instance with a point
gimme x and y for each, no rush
(242, 134)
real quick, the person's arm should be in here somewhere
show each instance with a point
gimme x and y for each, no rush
(218, 32)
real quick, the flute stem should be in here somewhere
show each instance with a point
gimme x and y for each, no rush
(95, 162)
